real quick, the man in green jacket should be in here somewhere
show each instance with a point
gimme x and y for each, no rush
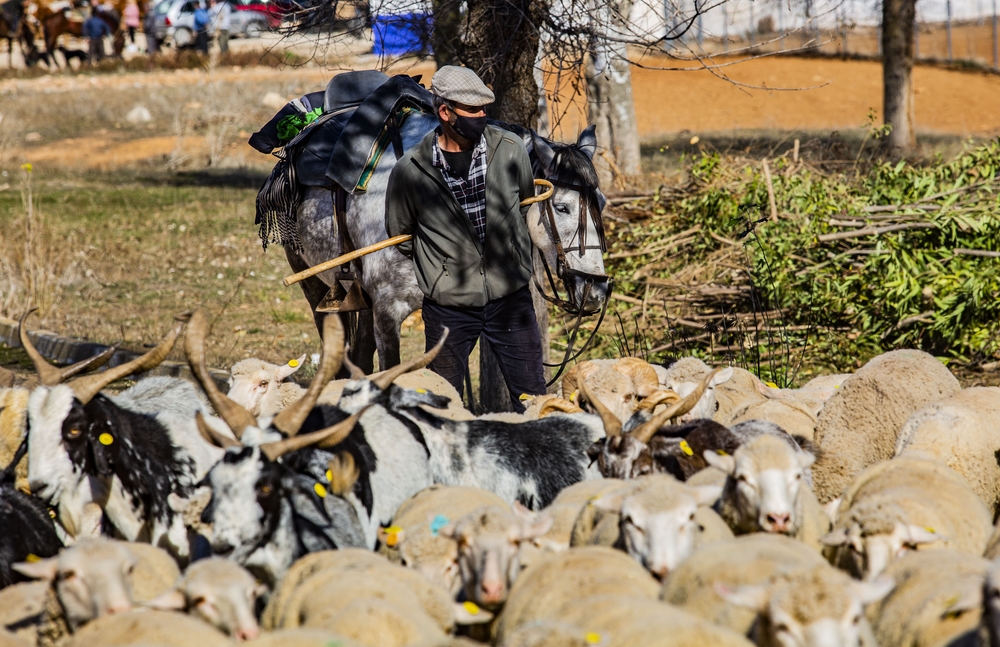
(459, 193)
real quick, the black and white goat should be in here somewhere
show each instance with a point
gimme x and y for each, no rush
(340, 476)
(27, 529)
(131, 454)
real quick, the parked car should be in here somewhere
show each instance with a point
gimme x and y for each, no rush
(175, 21)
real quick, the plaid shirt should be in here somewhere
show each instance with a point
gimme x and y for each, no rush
(471, 192)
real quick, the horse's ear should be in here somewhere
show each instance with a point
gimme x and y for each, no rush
(546, 155)
(587, 141)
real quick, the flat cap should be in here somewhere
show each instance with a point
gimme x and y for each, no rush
(461, 85)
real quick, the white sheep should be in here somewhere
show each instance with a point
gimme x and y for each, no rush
(260, 387)
(860, 423)
(684, 376)
(618, 383)
(727, 565)
(767, 489)
(905, 504)
(565, 509)
(139, 629)
(656, 519)
(413, 540)
(220, 592)
(925, 608)
(963, 432)
(301, 637)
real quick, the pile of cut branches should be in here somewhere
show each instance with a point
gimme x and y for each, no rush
(789, 270)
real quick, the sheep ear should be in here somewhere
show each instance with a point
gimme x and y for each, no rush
(832, 508)
(707, 494)
(169, 601)
(532, 525)
(868, 592)
(721, 377)
(836, 538)
(90, 521)
(726, 464)
(748, 597)
(971, 600)
(921, 535)
(806, 459)
(43, 569)
(289, 368)
(467, 613)
(259, 590)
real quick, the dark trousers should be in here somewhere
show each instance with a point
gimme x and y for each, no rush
(508, 324)
(201, 41)
(96, 50)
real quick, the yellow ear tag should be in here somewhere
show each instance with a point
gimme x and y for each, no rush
(320, 490)
(929, 529)
(421, 391)
(572, 396)
(722, 452)
(771, 384)
(32, 558)
(392, 535)
(329, 476)
(106, 438)
(471, 608)
(686, 448)
(592, 638)
(293, 363)
(52, 513)
(523, 397)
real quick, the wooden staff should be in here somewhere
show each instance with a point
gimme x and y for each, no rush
(395, 240)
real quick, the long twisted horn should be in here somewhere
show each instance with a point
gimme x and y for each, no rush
(612, 425)
(238, 418)
(213, 436)
(385, 379)
(660, 396)
(356, 372)
(557, 404)
(329, 437)
(86, 387)
(648, 429)
(49, 375)
(290, 420)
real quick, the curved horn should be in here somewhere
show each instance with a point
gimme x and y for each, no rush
(290, 420)
(235, 416)
(329, 437)
(85, 388)
(612, 425)
(356, 372)
(212, 436)
(557, 404)
(638, 370)
(385, 379)
(648, 429)
(660, 396)
(49, 375)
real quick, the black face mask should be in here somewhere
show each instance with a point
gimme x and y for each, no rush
(472, 128)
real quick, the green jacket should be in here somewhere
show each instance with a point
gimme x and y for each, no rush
(453, 267)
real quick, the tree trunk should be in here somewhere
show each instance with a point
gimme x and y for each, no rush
(446, 39)
(610, 106)
(897, 73)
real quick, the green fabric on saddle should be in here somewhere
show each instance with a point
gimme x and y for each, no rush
(292, 125)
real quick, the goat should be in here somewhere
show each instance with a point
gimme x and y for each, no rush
(28, 528)
(86, 447)
(265, 512)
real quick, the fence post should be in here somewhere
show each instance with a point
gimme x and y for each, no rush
(950, 56)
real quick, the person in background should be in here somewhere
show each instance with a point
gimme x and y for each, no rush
(149, 28)
(221, 14)
(131, 19)
(94, 30)
(201, 24)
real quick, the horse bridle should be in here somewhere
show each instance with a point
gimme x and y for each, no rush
(589, 205)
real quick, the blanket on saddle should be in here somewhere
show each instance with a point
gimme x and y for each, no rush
(330, 139)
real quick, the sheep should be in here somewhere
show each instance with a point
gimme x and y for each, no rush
(904, 504)
(413, 538)
(730, 389)
(925, 609)
(619, 383)
(962, 431)
(564, 579)
(91, 579)
(13, 431)
(219, 592)
(859, 424)
(159, 628)
(814, 607)
(489, 540)
(767, 490)
(656, 519)
(726, 565)
(301, 637)
(8, 639)
(564, 510)
(27, 527)
(260, 387)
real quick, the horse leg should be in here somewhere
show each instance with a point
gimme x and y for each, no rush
(387, 321)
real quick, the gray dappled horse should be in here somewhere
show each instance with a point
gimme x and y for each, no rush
(388, 276)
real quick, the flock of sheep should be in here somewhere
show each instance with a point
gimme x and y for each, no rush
(644, 505)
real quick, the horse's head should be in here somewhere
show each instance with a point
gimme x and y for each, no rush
(573, 251)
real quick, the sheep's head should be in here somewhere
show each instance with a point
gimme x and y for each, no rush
(91, 578)
(253, 384)
(764, 479)
(874, 534)
(620, 384)
(817, 607)
(489, 540)
(707, 404)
